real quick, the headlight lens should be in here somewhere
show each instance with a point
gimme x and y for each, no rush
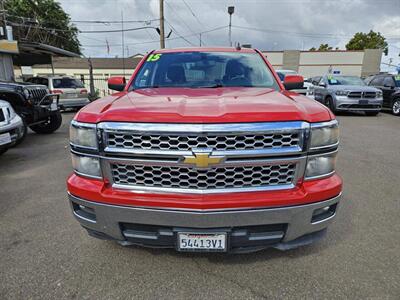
(341, 93)
(379, 94)
(85, 165)
(83, 135)
(324, 134)
(320, 165)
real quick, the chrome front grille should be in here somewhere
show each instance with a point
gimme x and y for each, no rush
(361, 95)
(203, 179)
(204, 158)
(184, 142)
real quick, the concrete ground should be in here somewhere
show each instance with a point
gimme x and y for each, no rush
(45, 254)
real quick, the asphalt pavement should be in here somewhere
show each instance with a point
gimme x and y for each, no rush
(45, 254)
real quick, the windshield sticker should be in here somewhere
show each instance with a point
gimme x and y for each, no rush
(154, 57)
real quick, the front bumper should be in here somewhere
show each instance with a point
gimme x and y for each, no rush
(347, 104)
(248, 229)
(72, 103)
(15, 128)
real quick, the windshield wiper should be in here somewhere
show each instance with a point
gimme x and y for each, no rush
(147, 87)
(214, 86)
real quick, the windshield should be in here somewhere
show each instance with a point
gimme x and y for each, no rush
(345, 80)
(204, 70)
(67, 83)
(397, 80)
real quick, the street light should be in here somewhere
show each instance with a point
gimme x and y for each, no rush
(231, 10)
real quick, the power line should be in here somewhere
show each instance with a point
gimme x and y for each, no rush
(157, 41)
(319, 35)
(117, 30)
(179, 17)
(192, 12)
(113, 22)
(178, 34)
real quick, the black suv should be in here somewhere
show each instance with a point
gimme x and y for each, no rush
(34, 104)
(390, 86)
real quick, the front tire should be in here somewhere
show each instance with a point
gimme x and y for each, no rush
(52, 124)
(24, 133)
(329, 102)
(396, 107)
(3, 150)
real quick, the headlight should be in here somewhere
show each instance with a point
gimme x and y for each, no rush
(324, 134)
(86, 165)
(27, 94)
(341, 93)
(83, 135)
(379, 94)
(321, 165)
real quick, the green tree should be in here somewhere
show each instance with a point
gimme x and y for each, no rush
(42, 21)
(322, 47)
(371, 40)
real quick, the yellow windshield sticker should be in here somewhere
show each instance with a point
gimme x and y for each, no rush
(154, 57)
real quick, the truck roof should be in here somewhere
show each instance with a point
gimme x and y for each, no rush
(206, 49)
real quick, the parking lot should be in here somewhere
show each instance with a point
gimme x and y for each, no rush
(45, 254)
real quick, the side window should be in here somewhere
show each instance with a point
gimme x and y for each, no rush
(388, 81)
(321, 80)
(377, 81)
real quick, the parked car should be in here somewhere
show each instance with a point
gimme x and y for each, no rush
(390, 86)
(348, 93)
(73, 93)
(205, 150)
(305, 90)
(34, 104)
(310, 83)
(11, 126)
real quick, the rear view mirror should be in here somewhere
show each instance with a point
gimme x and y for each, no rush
(292, 82)
(116, 83)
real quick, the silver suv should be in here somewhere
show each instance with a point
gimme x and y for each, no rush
(348, 93)
(73, 93)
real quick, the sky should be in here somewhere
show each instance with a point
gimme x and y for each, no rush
(265, 24)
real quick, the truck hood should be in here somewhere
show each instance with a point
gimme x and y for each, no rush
(219, 105)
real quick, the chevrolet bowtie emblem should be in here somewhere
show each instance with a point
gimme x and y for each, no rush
(202, 159)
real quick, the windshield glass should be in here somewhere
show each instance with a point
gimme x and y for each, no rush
(397, 80)
(204, 70)
(67, 83)
(345, 80)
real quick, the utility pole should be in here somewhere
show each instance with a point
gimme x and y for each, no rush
(123, 42)
(231, 10)
(162, 37)
(200, 39)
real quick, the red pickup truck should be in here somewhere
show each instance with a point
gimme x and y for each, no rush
(205, 149)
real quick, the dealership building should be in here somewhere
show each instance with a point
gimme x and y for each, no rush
(313, 63)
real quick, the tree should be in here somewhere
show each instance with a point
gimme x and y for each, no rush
(371, 40)
(322, 47)
(42, 21)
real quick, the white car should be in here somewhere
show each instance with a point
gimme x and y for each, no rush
(11, 126)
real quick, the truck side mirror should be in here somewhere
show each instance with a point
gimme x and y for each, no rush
(292, 82)
(322, 84)
(116, 83)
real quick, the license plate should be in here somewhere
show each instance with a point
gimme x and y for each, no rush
(363, 102)
(215, 242)
(5, 138)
